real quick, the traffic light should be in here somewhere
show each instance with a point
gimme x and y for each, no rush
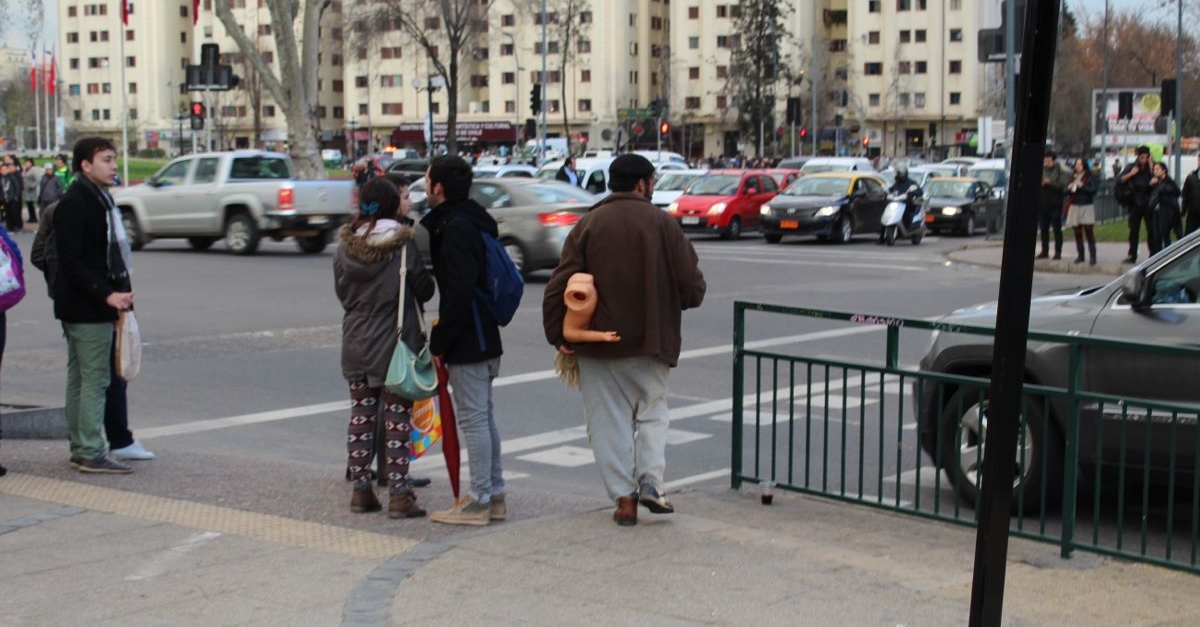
(197, 116)
(803, 132)
(664, 128)
(866, 141)
(535, 99)
(656, 107)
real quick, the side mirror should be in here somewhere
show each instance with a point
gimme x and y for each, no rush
(1136, 289)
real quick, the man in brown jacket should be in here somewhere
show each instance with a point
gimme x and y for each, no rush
(646, 273)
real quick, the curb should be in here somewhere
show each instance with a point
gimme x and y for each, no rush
(974, 254)
(34, 423)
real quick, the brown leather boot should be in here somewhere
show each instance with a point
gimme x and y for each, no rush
(404, 505)
(626, 512)
(363, 501)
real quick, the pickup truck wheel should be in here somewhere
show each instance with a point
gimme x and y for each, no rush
(201, 243)
(1039, 455)
(241, 235)
(132, 231)
(314, 244)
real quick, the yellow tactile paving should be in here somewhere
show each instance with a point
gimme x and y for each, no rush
(204, 517)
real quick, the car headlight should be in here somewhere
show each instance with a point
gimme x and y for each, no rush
(717, 209)
(673, 207)
(951, 211)
(825, 212)
(765, 210)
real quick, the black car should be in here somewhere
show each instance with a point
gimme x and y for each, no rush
(832, 206)
(956, 204)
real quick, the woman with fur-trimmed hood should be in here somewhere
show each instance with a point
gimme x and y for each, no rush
(366, 269)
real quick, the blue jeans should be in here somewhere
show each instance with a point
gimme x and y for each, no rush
(471, 386)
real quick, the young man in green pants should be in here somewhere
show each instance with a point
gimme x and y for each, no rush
(92, 287)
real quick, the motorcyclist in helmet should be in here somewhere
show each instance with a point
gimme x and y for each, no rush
(903, 186)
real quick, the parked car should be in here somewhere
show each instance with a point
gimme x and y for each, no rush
(670, 185)
(592, 172)
(534, 217)
(1156, 301)
(333, 158)
(832, 206)
(956, 204)
(241, 196)
(725, 202)
(817, 165)
(504, 171)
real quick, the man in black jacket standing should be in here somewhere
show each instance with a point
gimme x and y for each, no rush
(1137, 176)
(466, 338)
(1191, 199)
(91, 288)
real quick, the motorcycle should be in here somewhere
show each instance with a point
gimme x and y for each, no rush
(904, 217)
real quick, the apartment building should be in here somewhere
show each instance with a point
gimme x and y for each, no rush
(94, 47)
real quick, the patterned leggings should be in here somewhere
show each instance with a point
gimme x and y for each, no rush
(360, 435)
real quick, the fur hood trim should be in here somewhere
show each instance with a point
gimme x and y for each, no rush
(374, 246)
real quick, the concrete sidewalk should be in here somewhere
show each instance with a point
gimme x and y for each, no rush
(1109, 256)
(279, 548)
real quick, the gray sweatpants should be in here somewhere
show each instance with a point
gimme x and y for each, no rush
(625, 403)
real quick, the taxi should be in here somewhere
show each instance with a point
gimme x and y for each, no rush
(832, 206)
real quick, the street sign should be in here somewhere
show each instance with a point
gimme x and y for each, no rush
(637, 130)
(635, 113)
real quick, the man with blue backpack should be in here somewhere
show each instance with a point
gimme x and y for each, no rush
(479, 290)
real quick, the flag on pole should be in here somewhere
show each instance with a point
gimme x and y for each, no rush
(48, 71)
(33, 71)
(126, 9)
(195, 11)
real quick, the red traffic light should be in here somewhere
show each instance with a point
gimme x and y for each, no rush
(664, 128)
(803, 132)
(198, 109)
(866, 142)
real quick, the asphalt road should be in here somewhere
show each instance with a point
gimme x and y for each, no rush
(242, 353)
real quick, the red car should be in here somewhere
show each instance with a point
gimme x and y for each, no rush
(725, 202)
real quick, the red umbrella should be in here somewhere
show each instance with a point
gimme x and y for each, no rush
(450, 450)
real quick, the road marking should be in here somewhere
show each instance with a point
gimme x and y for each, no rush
(827, 264)
(563, 457)
(909, 477)
(715, 474)
(199, 426)
(165, 560)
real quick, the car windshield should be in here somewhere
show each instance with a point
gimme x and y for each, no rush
(991, 176)
(673, 182)
(948, 189)
(817, 187)
(714, 185)
(554, 193)
(813, 168)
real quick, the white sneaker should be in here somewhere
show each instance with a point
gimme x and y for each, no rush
(133, 451)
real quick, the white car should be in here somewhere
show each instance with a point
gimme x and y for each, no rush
(671, 184)
(818, 165)
(504, 171)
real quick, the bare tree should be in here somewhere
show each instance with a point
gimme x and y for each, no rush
(297, 51)
(449, 32)
(570, 32)
(759, 51)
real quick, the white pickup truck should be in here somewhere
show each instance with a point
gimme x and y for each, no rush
(241, 196)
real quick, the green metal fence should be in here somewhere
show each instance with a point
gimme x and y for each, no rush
(1099, 471)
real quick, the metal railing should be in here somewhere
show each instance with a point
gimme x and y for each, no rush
(1101, 472)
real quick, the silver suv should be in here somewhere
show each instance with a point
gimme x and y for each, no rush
(1157, 301)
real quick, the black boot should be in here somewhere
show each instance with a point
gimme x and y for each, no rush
(1092, 250)
(1078, 247)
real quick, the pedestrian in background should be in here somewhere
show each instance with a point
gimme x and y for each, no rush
(31, 177)
(567, 173)
(646, 273)
(1164, 205)
(1081, 212)
(1136, 178)
(16, 252)
(63, 171)
(1191, 198)
(366, 270)
(50, 190)
(92, 287)
(466, 338)
(1050, 215)
(11, 188)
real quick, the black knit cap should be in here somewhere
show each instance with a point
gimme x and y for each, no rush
(1143, 150)
(631, 166)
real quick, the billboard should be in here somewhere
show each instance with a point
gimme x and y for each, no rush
(1142, 123)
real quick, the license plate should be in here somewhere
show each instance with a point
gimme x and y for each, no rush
(789, 224)
(690, 220)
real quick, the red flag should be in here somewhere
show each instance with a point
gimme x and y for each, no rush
(50, 76)
(33, 71)
(195, 11)
(125, 12)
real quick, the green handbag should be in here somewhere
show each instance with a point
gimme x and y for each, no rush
(410, 375)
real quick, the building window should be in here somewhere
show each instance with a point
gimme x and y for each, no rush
(508, 78)
(339, 113)
(479, 80)
(633, 49)
(133, 114)
(693, 13)
(71, 13)
(919, 100)
(722, 41)
(106, 88)
(872, 100)
(956, 67)
(391, 80)
(956, 34)
(654, 78)
(360, 81)
(551, 18)
(335, 60)
(873, 69)
(93, 88)
(903, 100)
(585, 76)
(129, 35)
(656, 23)
(722, 10)
(633, 77)
(905, 36)
(552, 106)
(264, 30)
(339, 86)
(903, 5)
(95, 115)
(506, 50)
(510, 106)
(73, 89)
(837, 45)
(873, 37)
(693, 43)
(78, 113)
(722, 103)
(583, 46)
(722, 71)
(74, 63)
(873, 6)
(508, 20)
(585, 105)
(904, 67)
(922, 67)
(691, 103)
(919, 35)
(432, 23)
(955, 98)
(694, 73)
(395, 108)
(955, 5)
(107, 114)
(585, 17)
(362, 109)
(73, 38)
(390, 52)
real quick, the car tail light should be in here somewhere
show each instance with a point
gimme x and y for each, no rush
(287, 200)
(558, 218)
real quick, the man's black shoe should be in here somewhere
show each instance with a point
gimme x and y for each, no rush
(657, 503)
(1130, 259)
(419, 482)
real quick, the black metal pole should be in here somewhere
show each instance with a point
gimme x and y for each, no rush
(1012, 315)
